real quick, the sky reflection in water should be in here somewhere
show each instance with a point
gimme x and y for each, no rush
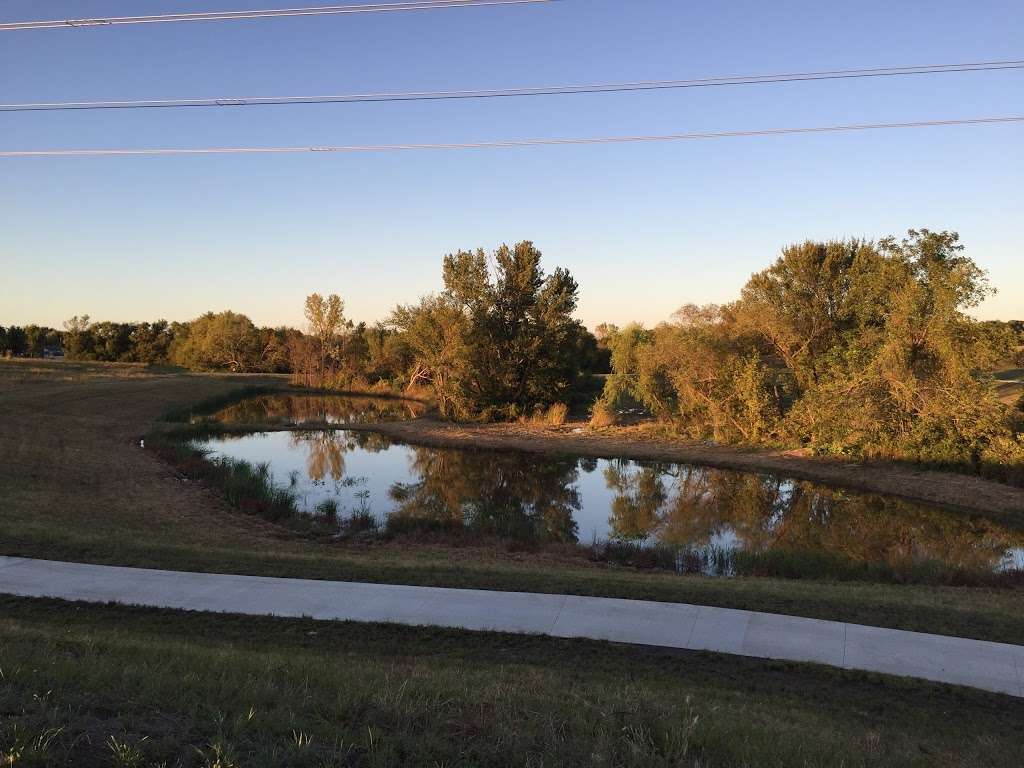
(565, 499)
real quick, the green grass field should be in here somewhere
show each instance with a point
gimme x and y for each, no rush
(113, 686)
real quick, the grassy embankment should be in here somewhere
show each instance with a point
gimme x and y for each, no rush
(78, 488)
(113, 686)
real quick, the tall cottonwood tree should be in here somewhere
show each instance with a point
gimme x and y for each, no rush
(500, 339)
(911, 387)
(326, 319)
(812, 298)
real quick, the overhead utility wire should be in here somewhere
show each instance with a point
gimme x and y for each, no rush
(553, 90)
(512, 143)
(323, 10)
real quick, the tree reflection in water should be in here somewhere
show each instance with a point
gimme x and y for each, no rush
(695, 507)
(692, 509)
(500, 493)
(316, 409)
(326, 449)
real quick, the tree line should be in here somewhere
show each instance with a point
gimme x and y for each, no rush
(500, 341)
(848, 347)
(210, 342)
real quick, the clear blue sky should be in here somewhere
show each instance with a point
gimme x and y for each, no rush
(644, 228)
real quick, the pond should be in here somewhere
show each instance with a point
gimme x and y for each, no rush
(298, 409)
(710, 514)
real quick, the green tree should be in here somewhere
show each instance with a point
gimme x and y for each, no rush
(326, 320)
(150, 342)
(812, 299)
(847, 347)
(16, 341)
(501, 340)
(274, 345)
(436, 333)
(698, 373)
(913, 389)
(603, 333)
(78, 341)
(388, 355)
(221, 340)
(35, 340)
(624, 347)
(112, 341)
(354, 353)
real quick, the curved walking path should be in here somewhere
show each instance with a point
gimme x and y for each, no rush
(990, 666)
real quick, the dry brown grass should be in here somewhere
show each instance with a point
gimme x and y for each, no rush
(602, 416)
(16, 370)
(555, 416)
(69, 444)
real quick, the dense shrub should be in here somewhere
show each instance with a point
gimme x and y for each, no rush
(849, 348)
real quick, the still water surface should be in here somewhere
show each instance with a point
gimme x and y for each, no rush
(299, 409)
(546, 498)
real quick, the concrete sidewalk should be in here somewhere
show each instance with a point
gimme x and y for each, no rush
(989, 666)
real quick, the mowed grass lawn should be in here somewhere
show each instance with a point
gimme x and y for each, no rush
(114, 686)
(94, 685)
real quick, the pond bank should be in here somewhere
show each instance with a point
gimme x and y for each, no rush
(687, 518)
(78, 487)
(949, 490)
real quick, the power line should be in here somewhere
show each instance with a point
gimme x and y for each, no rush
(512, 143)
(324, 10)
(554, 90)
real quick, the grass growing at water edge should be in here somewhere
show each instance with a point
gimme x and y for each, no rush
(252, 490)
(707, 561)
(794, 564)
(249, 488)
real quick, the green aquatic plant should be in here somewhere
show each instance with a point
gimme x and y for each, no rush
(327, 509)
